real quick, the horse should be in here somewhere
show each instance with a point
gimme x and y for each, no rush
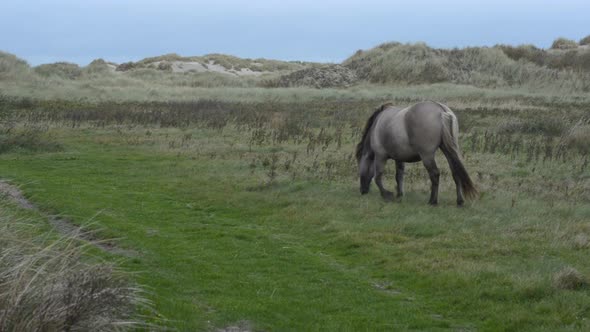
(408, 135)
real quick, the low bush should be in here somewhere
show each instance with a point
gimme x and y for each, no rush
(563, 44)
(97, 67)
(328, 76)
(63, 70)
(29, 138)
(11, 67)
(125, 66)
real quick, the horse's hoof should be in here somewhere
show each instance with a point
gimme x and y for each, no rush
(459, 204)
(433, 203)
(388, 196)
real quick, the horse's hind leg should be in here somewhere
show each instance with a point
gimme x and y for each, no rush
(434, 174)
(399, 177)
(456, 178)
(379, 167)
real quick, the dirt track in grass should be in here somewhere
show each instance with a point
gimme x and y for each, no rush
(63, 225)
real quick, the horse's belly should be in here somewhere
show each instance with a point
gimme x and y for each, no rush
(395, 144)
(409, 156)
(391, 139)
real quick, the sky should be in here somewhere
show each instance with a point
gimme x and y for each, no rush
(309, 30)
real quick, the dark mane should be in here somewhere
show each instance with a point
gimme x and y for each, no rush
(370, 121)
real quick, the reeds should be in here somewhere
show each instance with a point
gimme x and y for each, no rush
(50, 283)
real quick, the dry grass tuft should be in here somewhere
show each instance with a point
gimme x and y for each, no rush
(50, 285)
(581, 241)
(569, 278)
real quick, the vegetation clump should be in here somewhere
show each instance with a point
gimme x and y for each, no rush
(569, 278)
(577, 59)
(126, 66)
(32, 139)
(49, 285)
(229, 62)
(65, 70)
(98, 67)
(11, 67)
(329, 76)
(563, 44)
(397, 63)
(165, 66)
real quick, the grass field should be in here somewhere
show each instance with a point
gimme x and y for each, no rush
(247, 213)
(235, 206)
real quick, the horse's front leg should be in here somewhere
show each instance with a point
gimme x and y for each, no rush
(379, 167)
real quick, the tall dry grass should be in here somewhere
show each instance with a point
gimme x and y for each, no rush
(50, 283)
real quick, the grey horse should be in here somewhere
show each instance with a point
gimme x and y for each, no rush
(412, 134)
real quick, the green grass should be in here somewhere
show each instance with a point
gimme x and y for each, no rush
(220, 242)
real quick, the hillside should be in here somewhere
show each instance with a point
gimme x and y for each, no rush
(564, 67)
(217, 63)
(499, 66)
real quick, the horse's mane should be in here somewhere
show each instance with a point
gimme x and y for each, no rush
(370, 121)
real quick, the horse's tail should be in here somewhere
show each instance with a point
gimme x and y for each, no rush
(450, 145)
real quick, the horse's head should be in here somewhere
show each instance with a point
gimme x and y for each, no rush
(366, 171)
(365, 155)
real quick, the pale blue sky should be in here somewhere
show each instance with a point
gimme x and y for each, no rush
(118, 30)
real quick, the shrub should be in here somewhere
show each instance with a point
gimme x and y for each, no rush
(585, 40)
(12, 67)
(165, 57)
(31, 138)
(318, 77)
(527, 52)
(578, 59)
(63, 70)
(98, 66)
(397, 63)
(165, 66)
(125, 66)
(563, 44)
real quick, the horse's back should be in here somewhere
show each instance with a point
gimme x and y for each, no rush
(406, 134)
